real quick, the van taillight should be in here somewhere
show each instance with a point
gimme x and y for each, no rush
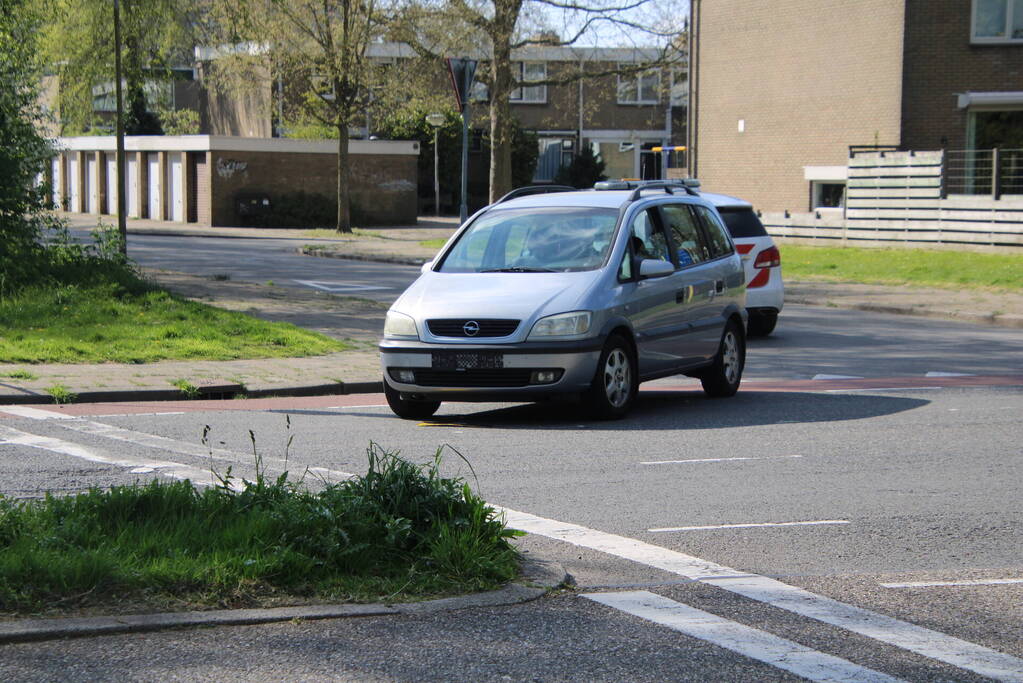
(768, 258)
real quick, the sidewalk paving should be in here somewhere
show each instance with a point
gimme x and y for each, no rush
(361, 321)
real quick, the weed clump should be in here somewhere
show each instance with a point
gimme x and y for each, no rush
(400, 530)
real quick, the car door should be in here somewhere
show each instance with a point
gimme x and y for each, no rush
(725, 283)
(694, 278)
(651, 304)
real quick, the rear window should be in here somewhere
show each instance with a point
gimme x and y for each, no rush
(742, 222)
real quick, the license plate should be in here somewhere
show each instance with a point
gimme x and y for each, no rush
(467, 360)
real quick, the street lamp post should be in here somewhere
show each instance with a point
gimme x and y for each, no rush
(436, 120)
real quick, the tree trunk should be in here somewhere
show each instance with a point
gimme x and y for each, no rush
(500, 126)
(344, 216)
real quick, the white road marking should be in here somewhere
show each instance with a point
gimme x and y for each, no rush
(932, 584)
(750, 642)
(701, 460)
(34, 413)
(837, 377)
(868, 389)
(923, 641)
(176, 470)
(182, 447)
(174, 446)
(948, 374)
(749, 526)
(337, 287)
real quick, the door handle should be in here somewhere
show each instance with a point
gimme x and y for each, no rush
(681, 296)
(719, 286)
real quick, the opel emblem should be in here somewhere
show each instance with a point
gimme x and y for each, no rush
(471, 328)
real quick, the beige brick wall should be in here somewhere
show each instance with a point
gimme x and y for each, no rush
(807, 77)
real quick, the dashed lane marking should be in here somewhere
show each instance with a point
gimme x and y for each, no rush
(936, 584)
(705, 460)
(339, 287)
(820, 377)
(745, 640)
(922, 641)
(819, 522)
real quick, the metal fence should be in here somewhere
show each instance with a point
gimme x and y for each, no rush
(993, 172)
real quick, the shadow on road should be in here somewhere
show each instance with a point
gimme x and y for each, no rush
(687, 410)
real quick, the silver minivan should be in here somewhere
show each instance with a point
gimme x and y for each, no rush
(583, 293)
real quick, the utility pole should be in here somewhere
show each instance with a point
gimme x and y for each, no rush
(122, 221)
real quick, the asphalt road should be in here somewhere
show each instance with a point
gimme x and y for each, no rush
(853, 514)
(828, 529)
(277, 260)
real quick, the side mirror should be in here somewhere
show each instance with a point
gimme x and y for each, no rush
(426, 267)
(651, 268)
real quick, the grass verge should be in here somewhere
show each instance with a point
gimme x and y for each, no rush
(400, 531)
(97, 322)
(915, 267)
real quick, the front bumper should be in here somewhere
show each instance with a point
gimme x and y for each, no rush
(485, 372)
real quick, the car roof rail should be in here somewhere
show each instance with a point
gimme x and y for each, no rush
(535, 189)
(668, 186)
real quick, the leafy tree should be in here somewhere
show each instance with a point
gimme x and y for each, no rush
(24, 154)
(503, 26)
(78, 45)
(409, 123)
(586, 169)
(317, 49)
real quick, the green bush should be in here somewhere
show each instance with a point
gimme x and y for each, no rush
(400, 529)
(586, 169)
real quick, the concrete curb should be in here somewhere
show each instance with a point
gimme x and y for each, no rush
(365, 256)
(212, 392)
(538, 577)
(1012, 321)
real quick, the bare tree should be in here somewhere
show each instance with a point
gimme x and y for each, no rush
(317, 50)
(502, 27)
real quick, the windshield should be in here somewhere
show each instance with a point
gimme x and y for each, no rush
(545, 240)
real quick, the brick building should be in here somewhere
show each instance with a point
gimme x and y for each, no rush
(783, 88)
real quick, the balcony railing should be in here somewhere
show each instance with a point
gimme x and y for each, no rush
(993, 172)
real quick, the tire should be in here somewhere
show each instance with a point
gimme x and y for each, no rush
(762, 324)
(722, 379)
(614, 387)
(408, 409)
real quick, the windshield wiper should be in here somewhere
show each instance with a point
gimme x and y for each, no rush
(518, 269)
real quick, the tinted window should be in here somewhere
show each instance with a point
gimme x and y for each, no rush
(717, 238)
(742, 222)
(685, 231)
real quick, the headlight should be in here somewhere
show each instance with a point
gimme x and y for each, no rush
(400, 325)
(565, 325)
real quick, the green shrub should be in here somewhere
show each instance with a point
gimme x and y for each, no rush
(400, 529)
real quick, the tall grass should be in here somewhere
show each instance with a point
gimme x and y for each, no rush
(399, 530)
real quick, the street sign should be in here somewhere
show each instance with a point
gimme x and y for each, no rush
(462, 71)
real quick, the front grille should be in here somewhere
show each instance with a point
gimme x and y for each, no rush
(506, 377)
(488, 327)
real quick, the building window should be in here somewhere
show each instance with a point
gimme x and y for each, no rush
(526, 72)
(997, 21)
(641, 88)
(828, 195)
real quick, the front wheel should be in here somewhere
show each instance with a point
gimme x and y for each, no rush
(408, 409)
(722, 378)
(616, 382)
